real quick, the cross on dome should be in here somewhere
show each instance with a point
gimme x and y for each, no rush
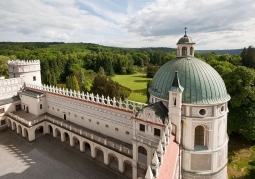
(185, 31)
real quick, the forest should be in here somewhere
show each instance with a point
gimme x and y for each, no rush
(89, 67)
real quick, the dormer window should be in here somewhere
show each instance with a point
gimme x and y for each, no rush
(184, 51)
(34, 78)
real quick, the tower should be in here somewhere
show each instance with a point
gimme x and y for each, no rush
(29, 70)
(196, 97)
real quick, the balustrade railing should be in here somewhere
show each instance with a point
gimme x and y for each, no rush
(73, 129)
(125, 105)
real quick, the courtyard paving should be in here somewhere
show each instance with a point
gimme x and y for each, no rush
(47, 158)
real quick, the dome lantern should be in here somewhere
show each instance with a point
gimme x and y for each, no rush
(185, 46)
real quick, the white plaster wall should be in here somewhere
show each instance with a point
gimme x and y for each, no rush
(188, 49)
(32, 103)
(28, 77)
(10, 107)
(42, 100)
(10, 87)
(88, 114)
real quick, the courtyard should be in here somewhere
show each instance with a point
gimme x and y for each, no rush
(47, 157)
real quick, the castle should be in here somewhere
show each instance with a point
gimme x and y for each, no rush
(182, 133)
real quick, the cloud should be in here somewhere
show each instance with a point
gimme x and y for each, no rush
(215, 24)
(165, 17)
(37, 16)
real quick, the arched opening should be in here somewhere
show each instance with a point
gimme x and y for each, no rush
(128, 171)
(39, 132)
(27, 109)
(184, 51)
(113, 161)
(14, 127)
(191, 50)
(199, 143)
(58, 134)
(66, 138)
(25, 133)
(64, 116)
(99, 154)
(76, 143)
(50, 129)
(87, 148)
(9, 124)
(142, 155)
(19, 130)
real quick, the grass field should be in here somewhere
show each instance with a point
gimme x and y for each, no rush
(241, 158)
(137, 83)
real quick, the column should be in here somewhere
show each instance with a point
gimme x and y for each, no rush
(121, 166)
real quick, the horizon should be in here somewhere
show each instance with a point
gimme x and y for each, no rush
(129, 23)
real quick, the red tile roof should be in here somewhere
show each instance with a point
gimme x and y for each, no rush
(167, 168)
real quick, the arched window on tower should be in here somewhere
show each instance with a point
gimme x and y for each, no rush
(191, 50)
(199, 136)
(184, 51)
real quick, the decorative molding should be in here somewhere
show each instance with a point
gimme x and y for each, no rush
(91, 111)
(195, 111)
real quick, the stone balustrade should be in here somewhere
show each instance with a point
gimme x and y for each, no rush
(11, 81)
(19, 119)
(125, 105)
(75, 130)
(24, 62)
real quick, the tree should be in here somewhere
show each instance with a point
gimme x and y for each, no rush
(72, 83)
(240, 84)
(4, 65)
(248, 57)
(147, 91)
(151, 70)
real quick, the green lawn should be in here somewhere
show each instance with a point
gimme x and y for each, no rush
(137, 83)
(241, 158)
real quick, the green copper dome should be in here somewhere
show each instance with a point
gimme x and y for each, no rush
(202, 84)
(185, 40)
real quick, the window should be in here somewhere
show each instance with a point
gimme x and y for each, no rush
(69, 113)
(106, 125)
(25, 107)
(40, 106)
(222, 108)
(191, 50)
(127, 132)
(184, 51)
(89, 120)
(34, 78)
(116, 129)
(142, 127)
(202, 112)
(82, 117)
(98, 123)
(174, 102)
(52, 108)
(199, 135)
(2, 110)
(156, 132)
(75, 115)
(57, 109)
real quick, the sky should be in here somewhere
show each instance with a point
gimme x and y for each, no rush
(212, 24)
